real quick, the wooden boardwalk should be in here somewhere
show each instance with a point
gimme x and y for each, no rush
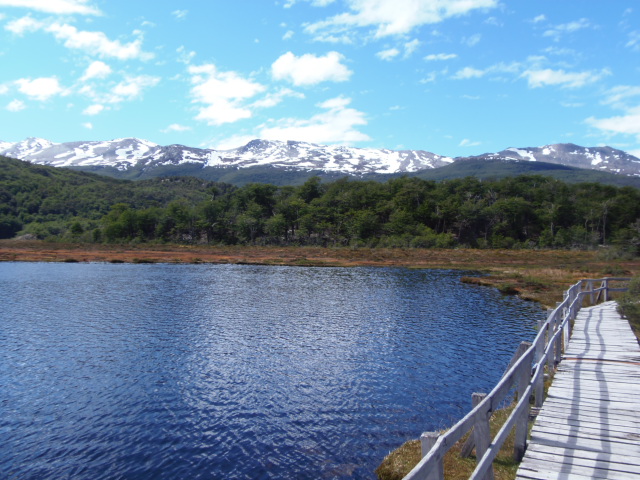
(589, 424)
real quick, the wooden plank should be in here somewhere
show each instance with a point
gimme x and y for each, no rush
(567, 441)
(568, 469)
(618, 462)
(606, 429)
(535, 474)
(589, 425)
(585, 433)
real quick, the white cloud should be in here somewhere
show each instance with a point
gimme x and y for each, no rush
(16, 106)
(618, 96)
(24, 25)
(468, 72)
(431, 77)
(185, 56)
(628, 124)
(547, 76)
(440, 56)
(468, 143)
(473, 40)
(336, 125)
(96, 69)
(97, 43)
(4, 89)
(232, 142)
(539, 18)
(396, 17)
(273, 99)
(60, 7)
(411, 47)
(88, 125)
(94, 109)
(310, 69)
(221, 94)
(176, 127)
(388, 54)
(131, 88)
(93, 43)
(557, 31)
(41, 89)
(288, 35)
(180, 14)
(634, 41)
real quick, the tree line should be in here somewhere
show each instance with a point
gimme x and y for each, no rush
(527, 211)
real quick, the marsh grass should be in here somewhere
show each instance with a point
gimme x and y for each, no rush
(400, 462)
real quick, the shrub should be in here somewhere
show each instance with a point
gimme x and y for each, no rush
(629, 305)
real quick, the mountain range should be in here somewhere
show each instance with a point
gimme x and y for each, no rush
(136, 158)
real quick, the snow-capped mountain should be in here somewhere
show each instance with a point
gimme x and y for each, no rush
(596, 158)
(125, 154)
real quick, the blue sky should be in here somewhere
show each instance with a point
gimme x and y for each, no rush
(454, 77)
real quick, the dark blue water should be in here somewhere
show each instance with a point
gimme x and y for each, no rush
(222, 371)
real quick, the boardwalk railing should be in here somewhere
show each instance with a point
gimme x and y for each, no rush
(526, 373)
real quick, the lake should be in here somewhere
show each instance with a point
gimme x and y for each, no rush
(235, 371)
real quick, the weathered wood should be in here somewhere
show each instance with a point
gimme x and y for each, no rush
(522, 419)
(589, 425)
(427, 442)
(467, 448)
(482, 435)
(610, 432)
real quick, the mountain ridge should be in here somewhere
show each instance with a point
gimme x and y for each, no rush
(140, 158)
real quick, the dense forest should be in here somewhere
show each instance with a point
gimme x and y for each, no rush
(527, 211)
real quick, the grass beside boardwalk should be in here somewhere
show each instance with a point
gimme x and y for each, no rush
(400, 462)
(629, 306)
(539, 275)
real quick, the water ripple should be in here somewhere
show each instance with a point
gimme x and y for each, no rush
(201, 371)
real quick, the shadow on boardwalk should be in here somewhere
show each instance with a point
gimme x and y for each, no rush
(589, 425)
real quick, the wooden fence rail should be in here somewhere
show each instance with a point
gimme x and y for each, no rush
(526, 373)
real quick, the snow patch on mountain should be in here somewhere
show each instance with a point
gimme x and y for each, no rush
(128, 153)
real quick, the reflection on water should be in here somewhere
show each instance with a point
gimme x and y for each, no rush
(223, 371)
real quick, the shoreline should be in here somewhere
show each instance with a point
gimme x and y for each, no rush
(537, 275)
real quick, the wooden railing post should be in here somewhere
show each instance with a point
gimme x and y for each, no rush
(482, 435)
(590, 287)
(427, 441)
(605, 284)
(467, 448)
(523, 377)
(558, 345)
(539, 386)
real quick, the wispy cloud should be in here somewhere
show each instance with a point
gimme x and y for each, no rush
(92, 43)
(440, 57)
(558, 31)
(468, 72)
(16, 105)
(180, 14)
(176, 127)
(338, 123)
(546, 77)
(393, 17)
(60, 7)
(388, 54)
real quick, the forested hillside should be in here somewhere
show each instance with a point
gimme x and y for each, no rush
(525, 211)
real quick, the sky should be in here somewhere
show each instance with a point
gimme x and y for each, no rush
(453, 77)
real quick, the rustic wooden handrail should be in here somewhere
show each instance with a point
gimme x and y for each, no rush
(526, 372)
